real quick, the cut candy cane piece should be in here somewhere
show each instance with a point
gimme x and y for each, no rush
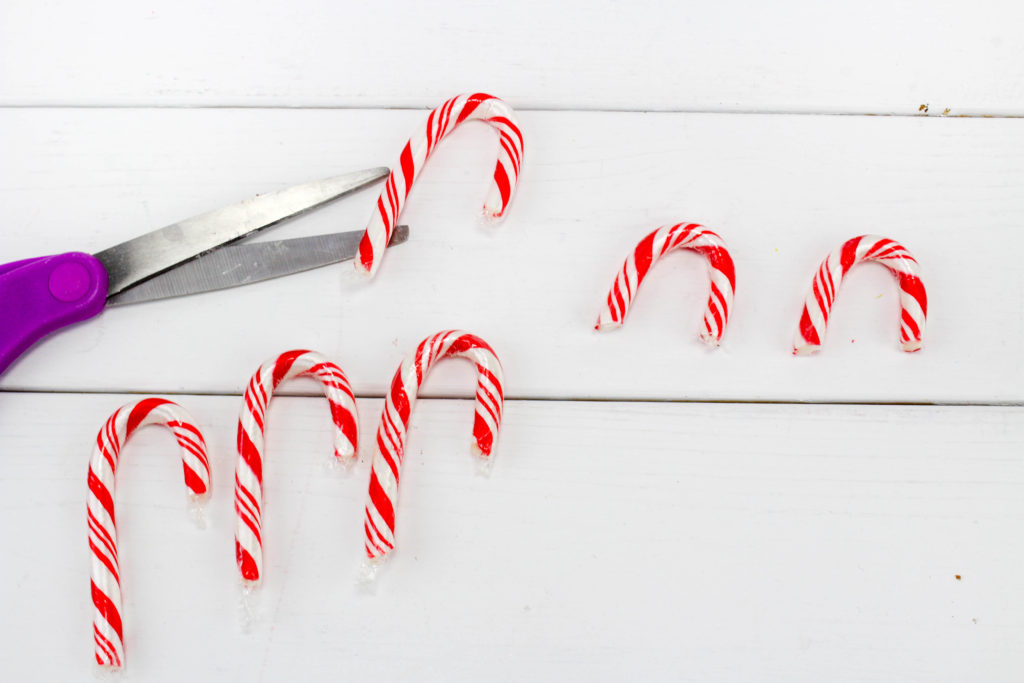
(106, 582)
(394, 421)
(891, 254)
(441, 122)
(251, 426)
(653, 247)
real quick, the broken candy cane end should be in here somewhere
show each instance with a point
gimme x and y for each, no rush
(198, 498)
(711, 340)
(343, 460)
(363, 269)
(912, 345)
(491, 216)
(107, 671)
(369, 569)
(344, 451)
(484, 461)
(197, 508)
(805, 349)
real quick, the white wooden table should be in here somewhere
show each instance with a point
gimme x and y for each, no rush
(657, 510)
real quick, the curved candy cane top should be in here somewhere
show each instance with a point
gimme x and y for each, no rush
(106, 575)
(394, 421)
(891, 254)
(251, 426)
(441, 122)
(654, 246)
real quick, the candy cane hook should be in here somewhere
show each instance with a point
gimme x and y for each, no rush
(653, 247)
(891, 254)
(106, 575)
(441, 122)
(251, 426)
(394, 422)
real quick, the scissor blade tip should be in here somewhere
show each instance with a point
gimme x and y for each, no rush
(364, 178)
(400, 235)
(378, 172)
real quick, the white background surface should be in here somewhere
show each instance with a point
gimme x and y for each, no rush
(802, 526)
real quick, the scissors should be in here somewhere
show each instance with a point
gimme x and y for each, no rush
(41, 295)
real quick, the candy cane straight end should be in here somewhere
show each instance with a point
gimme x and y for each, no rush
(107, 671)
(365, 270)
(200, 498)
(248, 568)
(342, 464)
(484, 462)
(710, 339)
(366, 575)
(374, 241)
(344, 451)
(802, 348)
(912, 345)
(603, 324)
(492, 216)
(484, 459)
(197, 509)
(248, 606)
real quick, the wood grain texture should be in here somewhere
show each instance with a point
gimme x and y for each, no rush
(791, 56)
(611, 541)
(615, 540)
(782, 191)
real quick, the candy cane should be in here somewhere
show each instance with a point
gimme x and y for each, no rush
(890, 253)
(394, 421)
(654, 246)
(251, 426)
(440, 123)
(106, 576)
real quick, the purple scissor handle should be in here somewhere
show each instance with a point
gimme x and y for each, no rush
(41, 295)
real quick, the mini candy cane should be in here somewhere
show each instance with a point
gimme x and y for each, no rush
(387, 461)
(440, 123)
(890, 253)
(654, 246)
(106, 581)
(251, 425)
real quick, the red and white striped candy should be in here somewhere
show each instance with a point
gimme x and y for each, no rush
(251, 426)
(106, 576)
(654, 246)
(441, 122)
(891, 254)
(394, 421)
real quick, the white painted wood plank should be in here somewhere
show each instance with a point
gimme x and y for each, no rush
(734, 55)
(782, 190)
(612, 541)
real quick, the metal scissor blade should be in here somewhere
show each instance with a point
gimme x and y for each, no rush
(244, 264)
(155, 252)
